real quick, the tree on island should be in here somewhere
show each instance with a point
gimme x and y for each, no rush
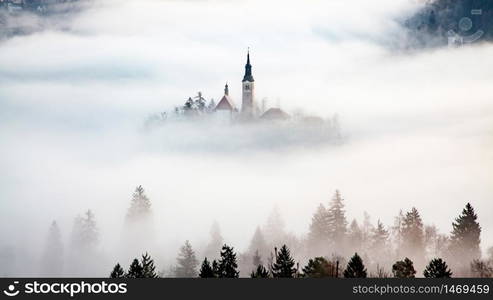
(404, 269)
(283, 267)
(187, 262)
(437, 268)
(355, 268)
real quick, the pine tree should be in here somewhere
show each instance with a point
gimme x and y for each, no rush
(258, 243)
(117, 272)
(403, 269)
(140, 206)
(135, 270)
(148, 268)
(413, 236)
(227, 267)
(257, 259)
(465, 237)
(52, 264)
(319, 267)
(85, 235)
(187, 262)
(380, 244)
(216, 241)
(355, 236)
(355, 268)
(215, 268)
(206, 270)
(260, 272)
(283, 267)
(274, 228)
(318, 235)
(337, 219)
(437, 268)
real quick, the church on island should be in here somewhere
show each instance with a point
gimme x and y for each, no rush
(226, 107)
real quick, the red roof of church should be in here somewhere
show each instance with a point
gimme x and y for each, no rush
(275, 114)
(226, 103)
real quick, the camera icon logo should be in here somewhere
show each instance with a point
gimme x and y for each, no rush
(11, 290)
(465, 24)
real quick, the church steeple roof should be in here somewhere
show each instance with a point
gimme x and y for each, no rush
(248, 70)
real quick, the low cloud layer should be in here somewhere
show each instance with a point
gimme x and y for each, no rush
(418, 126)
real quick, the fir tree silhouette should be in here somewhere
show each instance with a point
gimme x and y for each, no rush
(227, 267)
(135, 270)
(465, 237)
(148, 267)
(283, 267)
(187, 262)
(117, 272)
(206, 270)
(437, 268)
(355, 268)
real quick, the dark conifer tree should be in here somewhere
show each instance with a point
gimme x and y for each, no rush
(215, 268)
(465, 237)
(140, 206)
(135, 270)
(355, 268)
(403, 269)
(319, 267)
(283, 266)
(148, 267)
(228, 267)
(187, 262)
(206, 270)
(117, 272)
(437, 268)
(260, 272)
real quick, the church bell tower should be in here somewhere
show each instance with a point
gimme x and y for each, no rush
(248, 107)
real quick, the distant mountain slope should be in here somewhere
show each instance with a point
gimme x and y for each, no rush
(25, 17)
(439, 20)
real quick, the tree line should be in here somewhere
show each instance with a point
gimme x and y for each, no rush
(333, 247)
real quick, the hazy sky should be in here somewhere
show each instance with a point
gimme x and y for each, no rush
(418, 124)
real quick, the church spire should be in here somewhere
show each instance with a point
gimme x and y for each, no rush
(226, 89)
(248, 69)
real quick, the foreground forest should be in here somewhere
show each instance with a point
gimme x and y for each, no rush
(333, 247)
